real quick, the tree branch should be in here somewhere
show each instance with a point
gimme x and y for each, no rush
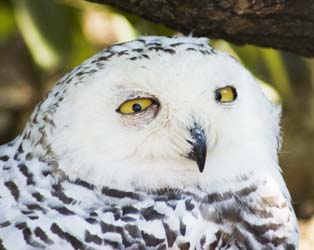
(281, 24)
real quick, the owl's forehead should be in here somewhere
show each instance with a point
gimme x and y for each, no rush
(150, 44)
(161, 68)
(157, 65)
(162, 57)
(150, 50)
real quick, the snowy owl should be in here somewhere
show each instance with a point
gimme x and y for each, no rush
(156, 143)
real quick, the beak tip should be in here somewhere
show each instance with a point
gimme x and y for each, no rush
(201, 165)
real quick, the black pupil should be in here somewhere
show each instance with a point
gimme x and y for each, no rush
(218, 96)
(136, 107)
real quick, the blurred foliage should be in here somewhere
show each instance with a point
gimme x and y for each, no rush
(49, 29)
(42, 39)
(60, 34)
(7, 22)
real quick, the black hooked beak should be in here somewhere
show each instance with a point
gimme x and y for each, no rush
(199, 146)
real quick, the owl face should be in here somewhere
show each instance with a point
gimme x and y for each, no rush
(173, 120)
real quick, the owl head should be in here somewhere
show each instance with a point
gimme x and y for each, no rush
(157, 112)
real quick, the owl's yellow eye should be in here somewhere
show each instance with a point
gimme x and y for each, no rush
(135, 106)
(226, 94)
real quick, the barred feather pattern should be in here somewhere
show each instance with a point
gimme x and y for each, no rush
(40, 211)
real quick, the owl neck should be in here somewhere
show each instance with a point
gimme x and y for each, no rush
(221, 169)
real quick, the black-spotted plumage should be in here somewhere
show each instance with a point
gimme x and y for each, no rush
(47, 213)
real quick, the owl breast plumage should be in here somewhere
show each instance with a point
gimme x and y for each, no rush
(162, 175)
